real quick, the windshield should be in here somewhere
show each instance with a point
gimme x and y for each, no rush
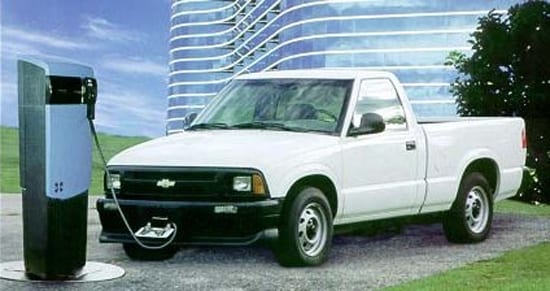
(278, 104)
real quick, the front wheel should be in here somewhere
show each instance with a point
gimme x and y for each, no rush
(470, 217)
(306, 230)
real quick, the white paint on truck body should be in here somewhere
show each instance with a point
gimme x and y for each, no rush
(374, 174)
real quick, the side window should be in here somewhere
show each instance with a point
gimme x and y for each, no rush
(379, 96)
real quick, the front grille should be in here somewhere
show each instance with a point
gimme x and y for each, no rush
(187, 183)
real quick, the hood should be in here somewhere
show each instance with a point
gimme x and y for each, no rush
(223, 148)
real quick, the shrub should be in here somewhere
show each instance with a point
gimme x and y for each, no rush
(508, 74)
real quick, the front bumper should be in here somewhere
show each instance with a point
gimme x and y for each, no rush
(198, 222)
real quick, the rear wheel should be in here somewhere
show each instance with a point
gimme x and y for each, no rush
(136, 252)
(306, 230)
(470, 217)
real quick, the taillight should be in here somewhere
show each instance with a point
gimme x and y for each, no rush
(523, 139)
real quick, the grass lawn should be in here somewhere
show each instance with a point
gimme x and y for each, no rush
(9, 158)
(524, 269)
(511, 206)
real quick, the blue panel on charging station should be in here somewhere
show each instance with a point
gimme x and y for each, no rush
(68, 151)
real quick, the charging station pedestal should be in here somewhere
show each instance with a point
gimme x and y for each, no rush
(55, 150)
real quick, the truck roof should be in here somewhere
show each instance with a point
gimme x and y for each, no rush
(347, 73)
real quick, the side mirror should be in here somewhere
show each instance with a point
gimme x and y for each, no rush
(189, 119)
(370, 123)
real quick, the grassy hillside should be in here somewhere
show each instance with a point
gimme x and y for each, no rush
(9, 158)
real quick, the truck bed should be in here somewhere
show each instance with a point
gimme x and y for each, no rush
(452, 142)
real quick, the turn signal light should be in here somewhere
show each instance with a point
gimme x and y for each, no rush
(258, 185)
(523, 139)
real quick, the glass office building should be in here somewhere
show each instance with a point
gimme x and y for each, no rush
(212, 41)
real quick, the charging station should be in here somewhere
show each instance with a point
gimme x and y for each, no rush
(56, 109)
(55, 165)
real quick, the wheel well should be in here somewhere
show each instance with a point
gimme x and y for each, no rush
(319, 181)
(488, 168)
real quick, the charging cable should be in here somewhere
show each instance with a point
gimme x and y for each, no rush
(110, 186)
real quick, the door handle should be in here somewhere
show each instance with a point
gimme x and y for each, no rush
(410, 145)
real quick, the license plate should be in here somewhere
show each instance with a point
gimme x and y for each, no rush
(231, 209)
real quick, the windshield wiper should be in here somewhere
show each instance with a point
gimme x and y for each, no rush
(214, 125)
(266, 125)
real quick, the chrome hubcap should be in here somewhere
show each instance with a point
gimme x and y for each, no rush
(312, 229)
(477, 209)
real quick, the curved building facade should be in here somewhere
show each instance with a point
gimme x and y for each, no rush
(212, 41)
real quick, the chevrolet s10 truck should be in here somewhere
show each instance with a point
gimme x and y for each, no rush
(291, 155)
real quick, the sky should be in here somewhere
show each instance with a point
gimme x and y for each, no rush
(124, 41)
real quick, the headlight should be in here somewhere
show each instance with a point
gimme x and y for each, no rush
(242, 183)
(251, 183)
(114, 182)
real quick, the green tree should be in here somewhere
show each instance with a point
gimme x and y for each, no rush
(508, 74)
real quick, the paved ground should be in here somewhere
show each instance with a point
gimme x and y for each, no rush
(357, 262)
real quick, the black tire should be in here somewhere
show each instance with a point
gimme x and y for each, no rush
(137, 253)
(471, 215)
(305, 232)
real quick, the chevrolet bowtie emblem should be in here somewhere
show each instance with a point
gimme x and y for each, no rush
(165, 183)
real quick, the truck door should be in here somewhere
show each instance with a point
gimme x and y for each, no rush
(380, 172)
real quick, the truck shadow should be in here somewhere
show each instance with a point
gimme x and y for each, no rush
(369, 241)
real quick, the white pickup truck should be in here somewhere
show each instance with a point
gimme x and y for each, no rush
(290, 155)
